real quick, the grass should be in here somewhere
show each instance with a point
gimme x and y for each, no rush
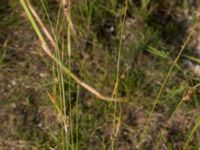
(163, 86)
(3, 53)
(94, 51)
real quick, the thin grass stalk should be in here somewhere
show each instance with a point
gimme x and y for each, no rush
(172, 115)
(197, 125)
(41, 24)
(49, 20)
(61, 99)
(162, 88)
(66, 9)
(162, 134)
(118, 122)
(65, 69)
(69, 85)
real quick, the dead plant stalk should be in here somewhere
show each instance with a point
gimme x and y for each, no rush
(34, 17)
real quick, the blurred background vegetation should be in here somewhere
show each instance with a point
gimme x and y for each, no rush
(133, 43)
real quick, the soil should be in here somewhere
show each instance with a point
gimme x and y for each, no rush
(26, 113)
(24, 80)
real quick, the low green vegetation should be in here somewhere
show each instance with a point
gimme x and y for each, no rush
(97, 53)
